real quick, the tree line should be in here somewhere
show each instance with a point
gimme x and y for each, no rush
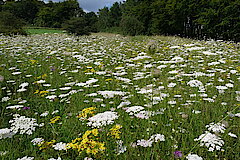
(200, 19)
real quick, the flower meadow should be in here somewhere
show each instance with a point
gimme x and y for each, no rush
(113, 97)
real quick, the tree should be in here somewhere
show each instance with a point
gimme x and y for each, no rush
(77, 26)
(131, 26)
(24, 9)
(104, 20)
(9, 24)
(91, 19)
(45, 17)
(115, 14)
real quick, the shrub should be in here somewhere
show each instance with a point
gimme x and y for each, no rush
(9, 24)
(131, 26)
(77, 26)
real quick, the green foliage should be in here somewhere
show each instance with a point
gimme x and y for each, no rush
(77, 26)
(131, 26)
(42, 30)
(91, 19)
(9, 24)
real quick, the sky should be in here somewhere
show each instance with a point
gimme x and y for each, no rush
(93, 5)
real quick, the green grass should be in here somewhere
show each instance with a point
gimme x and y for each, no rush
(64, 61)
(42, 30)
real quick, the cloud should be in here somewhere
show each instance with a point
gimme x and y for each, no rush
(94, 5)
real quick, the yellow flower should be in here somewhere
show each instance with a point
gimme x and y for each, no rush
(55, 119)
(85, 113)
(36, 92)
(95, 132)
(33, 61)
(109, 79)
(238, 68)
(87, 143)
(114, 131)
(43, 93)
(46, 145)
(44, 76)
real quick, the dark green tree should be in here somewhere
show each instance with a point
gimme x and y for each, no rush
(104, 19)
(131, 26)
(10, 24)
(91, 19)
(77, 26)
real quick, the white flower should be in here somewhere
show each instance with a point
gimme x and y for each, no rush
(65, 88)
(230, 85)
(171, 85)
(193, 157)
(134, 109)
(219, 128)
(23, 124)
(211, 141)
(41, 81)
(44, 114)
(144, 143)
(16, 73)
(21, 90)
(157, 137)
(14, 107)
(37, 141)
(5, 99)
(221, 87)
(51, 97)
(120, 148)
(232, 135)
(23, 85)
(3, 153)
(124, 104)
(143, 114)
(195, 83)
(149, 142)
(102, 119)
(6, 133)
(60, 146)
(26, 158)
(111, 94)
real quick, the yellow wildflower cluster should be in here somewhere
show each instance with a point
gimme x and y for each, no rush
(238, 68)
(42, 76)
(87, 143)
(33, 61)
(41, 93)
(85, 113)
(54, 119)
(46, 145)
(89, 69)
(109, 79)
(114, 131)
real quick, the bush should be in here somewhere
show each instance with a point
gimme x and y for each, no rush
(77, 26)
(9, 24)
(131, 26)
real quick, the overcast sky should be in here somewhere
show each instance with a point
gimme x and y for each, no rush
(93, 5)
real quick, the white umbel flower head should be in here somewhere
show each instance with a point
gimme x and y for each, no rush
(134, 109)
(102, 119)
(193, 157)
(60, 146)
(6, 133)
(26, 158)
(23, 124)
(195, 83)
(211, 141)
(216, 128)
(37, 141)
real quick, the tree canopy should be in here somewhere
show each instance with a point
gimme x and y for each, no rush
(200, 19)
